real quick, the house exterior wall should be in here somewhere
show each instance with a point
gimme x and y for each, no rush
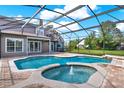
(14, 31)
(0, 45)
(57, 42)
(3, 45)
(45, 46)
(61, 46)
(57, 46)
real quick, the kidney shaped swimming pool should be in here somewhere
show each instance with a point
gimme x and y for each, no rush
(39, 61)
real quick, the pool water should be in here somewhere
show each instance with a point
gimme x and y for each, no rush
(70, 74)
(37, 62)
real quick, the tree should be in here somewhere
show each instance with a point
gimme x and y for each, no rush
(117, 35)
(90, 41)
(109, 37)
(106, 33)
(73, 44)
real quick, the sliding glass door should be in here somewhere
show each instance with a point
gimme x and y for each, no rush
(34, 46)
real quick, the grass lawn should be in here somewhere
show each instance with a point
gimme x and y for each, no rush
(99, 52)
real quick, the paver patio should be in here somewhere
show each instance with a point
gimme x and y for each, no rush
(113, 79)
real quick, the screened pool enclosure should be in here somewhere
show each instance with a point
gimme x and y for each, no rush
(94, 26)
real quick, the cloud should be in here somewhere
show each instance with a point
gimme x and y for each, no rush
(97, 32)
(74, 26)
(81, 13)
(63, 29)
(78, 14)
(48, 14)
(93, 7)
(19, 17)
(54, 24)
(33, 21)
(120, 26)
(60, 10)
(64, 22)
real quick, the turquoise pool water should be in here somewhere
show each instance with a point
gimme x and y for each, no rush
(70, 74)
(37, 62)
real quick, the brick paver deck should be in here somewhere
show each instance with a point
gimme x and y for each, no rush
(113, 79)
(9, 78)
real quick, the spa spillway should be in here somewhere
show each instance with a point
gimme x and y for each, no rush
(69, 73)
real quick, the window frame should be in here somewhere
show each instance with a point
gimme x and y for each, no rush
(15, 47)
(39, 46)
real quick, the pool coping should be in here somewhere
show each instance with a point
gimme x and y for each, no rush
(94, 81)
(15, 69)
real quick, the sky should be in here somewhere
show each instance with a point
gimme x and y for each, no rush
(26, 11)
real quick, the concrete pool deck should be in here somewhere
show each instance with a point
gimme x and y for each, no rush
(8, 78)
(94, 81)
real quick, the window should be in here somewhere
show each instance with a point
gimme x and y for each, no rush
(40, 31)
(10, 45)
(58, 45)
(14, 45)
(31, 46)
(18, 45)
(34, 46)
